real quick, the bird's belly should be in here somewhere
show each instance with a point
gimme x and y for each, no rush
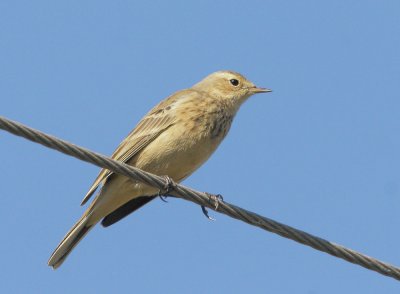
(176, 155)
(170, 154)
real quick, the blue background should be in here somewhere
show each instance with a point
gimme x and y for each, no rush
(321, 153)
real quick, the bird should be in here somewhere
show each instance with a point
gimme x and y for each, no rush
(174, 139)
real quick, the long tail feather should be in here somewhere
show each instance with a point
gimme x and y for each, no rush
(71, 239)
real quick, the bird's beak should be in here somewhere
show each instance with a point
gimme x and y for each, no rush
(256, 90)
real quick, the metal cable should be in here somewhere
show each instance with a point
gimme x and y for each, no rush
(201, 199)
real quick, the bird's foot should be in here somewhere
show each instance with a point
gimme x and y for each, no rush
(168, 187)
(163, 198)
(217, 199)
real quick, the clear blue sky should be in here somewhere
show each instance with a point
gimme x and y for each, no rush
(321, 153)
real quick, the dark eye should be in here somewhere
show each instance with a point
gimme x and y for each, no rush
(234, 82)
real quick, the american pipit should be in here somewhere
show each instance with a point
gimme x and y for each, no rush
(175, 138)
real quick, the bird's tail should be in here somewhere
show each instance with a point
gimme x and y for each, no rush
(71, 239)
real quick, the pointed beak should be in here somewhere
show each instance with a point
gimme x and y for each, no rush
(257, 90)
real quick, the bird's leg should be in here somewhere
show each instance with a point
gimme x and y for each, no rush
(217, 199)
(168, 187)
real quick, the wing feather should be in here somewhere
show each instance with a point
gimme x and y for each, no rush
(150, 127)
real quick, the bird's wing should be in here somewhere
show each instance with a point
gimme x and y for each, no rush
(125, 210)
(150, 127)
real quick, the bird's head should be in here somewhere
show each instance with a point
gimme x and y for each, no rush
(230, 86)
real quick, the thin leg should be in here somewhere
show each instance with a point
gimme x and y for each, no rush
(168, 187)
(217, 199)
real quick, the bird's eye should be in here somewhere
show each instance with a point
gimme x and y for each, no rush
(234, 82)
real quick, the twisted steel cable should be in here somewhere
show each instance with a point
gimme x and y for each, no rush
(200, 198)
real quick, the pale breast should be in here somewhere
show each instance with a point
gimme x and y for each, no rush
(186, 145)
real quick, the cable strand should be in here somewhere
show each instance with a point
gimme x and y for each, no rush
(201, 199)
